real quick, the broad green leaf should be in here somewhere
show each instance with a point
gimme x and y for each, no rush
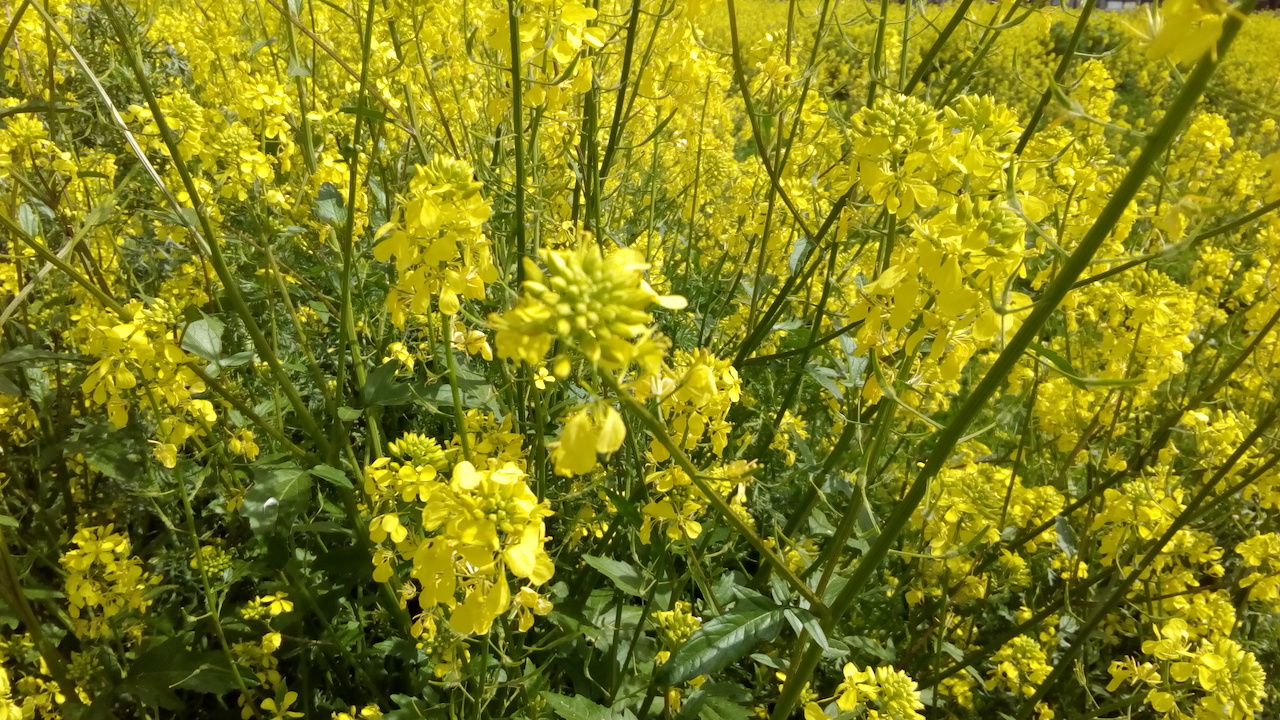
(330, 205)
(576, 707)
(716, 701)
(332, 475)
(277, 496)
(28, 220)
(624, 576)
(720, 642)
(203, 338)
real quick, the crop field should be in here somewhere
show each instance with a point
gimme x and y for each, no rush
(639, 359)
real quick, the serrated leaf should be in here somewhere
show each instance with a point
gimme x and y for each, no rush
(720, 642)
(381, 388)
(624, 576)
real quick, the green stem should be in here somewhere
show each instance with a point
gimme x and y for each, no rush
(517, 133)
(459, 413)
(968, 411)
(210, 601)
(956, 18)
(1058, 74)
(230, 282)
(659, 431)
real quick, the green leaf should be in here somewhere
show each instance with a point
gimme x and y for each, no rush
(1059, 363)
(171, 664)
(297, 68)
(1066, 536)
(277, 496)
(330, 205)
(624, 576)
(333, 475)
(28, 220)
(27, 354)
(215, 676)
(381, 388)
(347, 414)
(576, 707)
(716, 701)
(240, 358)
(203, 338)
(801, 618)
(366, 113)
(721, 642)
(718, 708)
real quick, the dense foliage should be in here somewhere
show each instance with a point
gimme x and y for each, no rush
(645, 358)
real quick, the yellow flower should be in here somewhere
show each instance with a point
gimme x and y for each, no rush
(1187, 29)
(587, 434)
(596, 304)
(280, 711)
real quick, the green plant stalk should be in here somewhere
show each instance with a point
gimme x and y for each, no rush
(210, 601)
(767, 432)
(1063, 64)
(761, 328)
(1158, 438)
(459, 414)
(517, 132)
(876, 76)
(317, 376)
(1183, 245)
(125, 316)
(659, 432)
(253, 417)
(304, 104)
(390, 110)
(11, 587)
(348, 338)
(956, 82)
(52, 258)
(906, 35)
(956, 18)
(13, 25)
(619, 105)
(1053, 295)
(741, 77)
(818, 35)
(829, 559)
(973, 658)
(229, 281)
(1063, 664)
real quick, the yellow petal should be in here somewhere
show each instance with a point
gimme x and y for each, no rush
(612, 432)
